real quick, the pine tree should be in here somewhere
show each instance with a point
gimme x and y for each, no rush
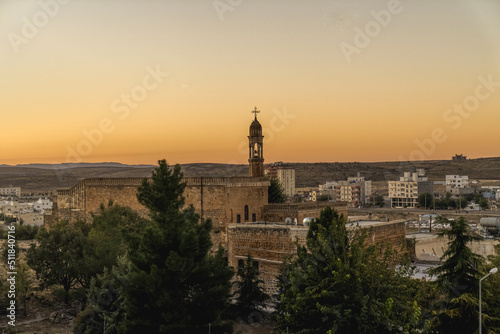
(250, 295)
(458, 276)
(338, 285)
(176, 285)
(275, 192)
(105, 312)
(459, 272)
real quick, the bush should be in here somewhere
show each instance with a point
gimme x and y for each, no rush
(26, 232)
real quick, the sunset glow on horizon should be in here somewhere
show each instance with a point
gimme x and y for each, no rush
(134, 82)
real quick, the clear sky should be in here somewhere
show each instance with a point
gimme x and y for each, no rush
(137, 81)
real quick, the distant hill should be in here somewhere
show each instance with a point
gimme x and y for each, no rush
(80, 164)
(46, 177)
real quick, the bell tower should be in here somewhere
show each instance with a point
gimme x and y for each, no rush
(255, 146)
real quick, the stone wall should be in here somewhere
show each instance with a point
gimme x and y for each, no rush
(270, 244)
(431, 248)
(224, 199)
(221, 199)
(121, 191)
(391, 233)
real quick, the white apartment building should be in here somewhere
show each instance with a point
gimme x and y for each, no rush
(10, 191)
(458, 185)
(405, 192)
(42, 204)
(457, 181)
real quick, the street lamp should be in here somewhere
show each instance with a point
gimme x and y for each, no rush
(492, 271)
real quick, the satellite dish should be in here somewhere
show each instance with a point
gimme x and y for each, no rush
(288, 220)
(307, 221)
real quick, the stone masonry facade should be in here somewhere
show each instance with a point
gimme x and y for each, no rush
(270, 244)
(224, 200)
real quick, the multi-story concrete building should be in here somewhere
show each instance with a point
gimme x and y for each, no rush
(405, 192)
(458, 185)
(31, 218)
(10, 191)
(457, 181)
(285, 174)
(287, 179)
(356, 190)
(14, 207)
(42, 204)
(330, 185)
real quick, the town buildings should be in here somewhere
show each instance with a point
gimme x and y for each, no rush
(31, 213)
(42, 204)
(285, 174)
(10, 191)
(356, 191)
(458, 185)
(405, 192)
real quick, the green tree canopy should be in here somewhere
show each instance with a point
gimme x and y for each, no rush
(276, 192)
(379, 200)
(175, 284)
(105, 312)
(425, 200)
(114, 230)
(483, 203)
(59, 257)
(250, 295)
(459, 271)
(490, 293)
(458, 276)
(339, 285)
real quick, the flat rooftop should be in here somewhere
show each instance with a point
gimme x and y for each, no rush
(420, 235)
(360, 223)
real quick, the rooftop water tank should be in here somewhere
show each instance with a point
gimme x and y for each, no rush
(490, 221)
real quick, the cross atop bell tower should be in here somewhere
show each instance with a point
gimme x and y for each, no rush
(255, 111)
(255, 147)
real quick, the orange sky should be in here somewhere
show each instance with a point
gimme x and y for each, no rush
(135, 81)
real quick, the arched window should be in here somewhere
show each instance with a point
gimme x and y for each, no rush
(256, 265)
(246, 213)
(241, 264)
(238, 219)
(254, 217)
